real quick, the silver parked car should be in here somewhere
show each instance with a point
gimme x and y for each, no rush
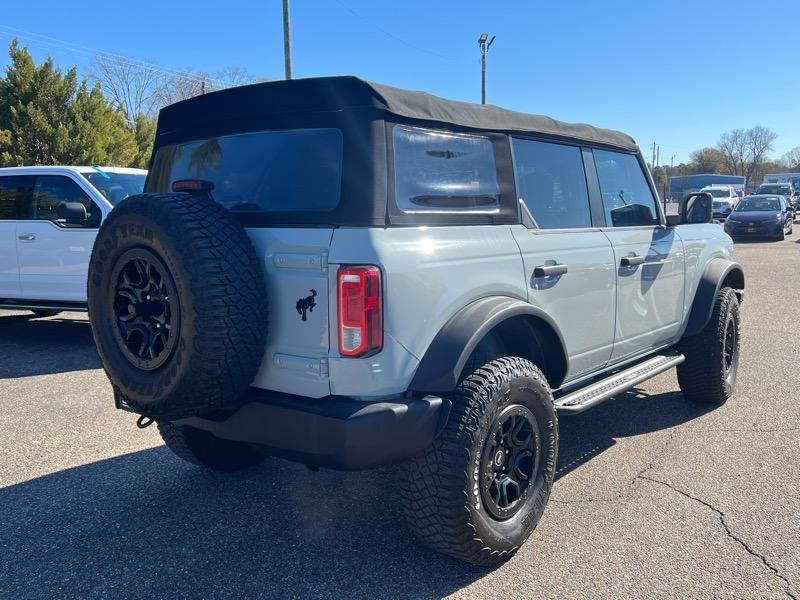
(347, 275)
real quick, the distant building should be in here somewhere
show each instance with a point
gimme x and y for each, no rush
(682, 185)
(793, 178)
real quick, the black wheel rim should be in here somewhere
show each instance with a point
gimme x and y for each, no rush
(729, 348)
(509, 461)
(146, 309)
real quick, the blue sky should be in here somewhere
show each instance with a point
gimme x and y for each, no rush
(678, 73)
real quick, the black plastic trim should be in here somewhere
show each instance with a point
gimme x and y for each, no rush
(444, 360)
(10, 304)
(714, 274)
(332, 432)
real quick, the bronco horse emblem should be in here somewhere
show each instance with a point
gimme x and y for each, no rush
(306, 304)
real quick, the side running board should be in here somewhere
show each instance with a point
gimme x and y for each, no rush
(613, 385)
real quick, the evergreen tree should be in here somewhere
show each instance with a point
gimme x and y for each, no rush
(144, 132)
(48, 117)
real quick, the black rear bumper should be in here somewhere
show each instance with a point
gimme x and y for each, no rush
(333, 432)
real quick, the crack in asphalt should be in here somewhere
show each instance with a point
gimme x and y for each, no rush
(619, 496)
(721, 515)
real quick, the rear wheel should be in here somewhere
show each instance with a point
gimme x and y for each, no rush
(203, 449)
(480, 490)
(712, 357)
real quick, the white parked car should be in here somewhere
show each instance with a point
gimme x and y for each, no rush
(49, 217)
(725, 199)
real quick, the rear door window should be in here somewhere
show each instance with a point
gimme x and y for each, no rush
(439, 172)
(552, 184)
(627, 198)
(262, 172)
(15, 197)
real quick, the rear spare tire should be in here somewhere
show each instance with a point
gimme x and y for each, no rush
(177, 303)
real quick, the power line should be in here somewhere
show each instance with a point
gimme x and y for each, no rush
(390, 34)
(36, 39)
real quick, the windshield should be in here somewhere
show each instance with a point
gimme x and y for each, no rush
(718, 193)
(759, 204)
(116, 186)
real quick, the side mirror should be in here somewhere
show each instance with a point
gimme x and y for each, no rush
(74, 213)
(694, 209)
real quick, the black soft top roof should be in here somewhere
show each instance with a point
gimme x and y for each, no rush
(343, 93)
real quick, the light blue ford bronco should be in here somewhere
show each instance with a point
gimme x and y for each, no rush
(349, 275)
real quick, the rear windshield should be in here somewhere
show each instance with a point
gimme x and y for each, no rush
(718, 193)
(263, 172)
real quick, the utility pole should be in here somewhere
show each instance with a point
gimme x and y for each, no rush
(653, 161)
(287, 42)
(484, 49)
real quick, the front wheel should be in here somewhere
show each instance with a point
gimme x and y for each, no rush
(480, 490)
(712, 356)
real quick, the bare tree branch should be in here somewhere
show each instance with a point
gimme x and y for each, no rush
(143, 88)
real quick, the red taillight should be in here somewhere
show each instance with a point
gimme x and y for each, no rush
(360, 311)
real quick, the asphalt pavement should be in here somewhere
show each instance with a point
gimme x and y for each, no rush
(655, 497)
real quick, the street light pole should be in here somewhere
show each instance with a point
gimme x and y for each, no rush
(287, 42)
(484, 49)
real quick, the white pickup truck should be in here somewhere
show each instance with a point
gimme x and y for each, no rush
(49, 217)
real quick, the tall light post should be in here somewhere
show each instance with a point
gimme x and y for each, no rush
(484, 49)
(287, 42)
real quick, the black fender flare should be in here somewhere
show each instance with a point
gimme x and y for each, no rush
(716, 272)
(441, 366)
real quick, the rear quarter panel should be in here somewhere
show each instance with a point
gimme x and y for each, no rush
(429, 274)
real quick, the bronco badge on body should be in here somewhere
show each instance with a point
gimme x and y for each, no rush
(306, 304)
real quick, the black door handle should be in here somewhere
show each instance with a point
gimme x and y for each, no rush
(549, 270)
(632, 260)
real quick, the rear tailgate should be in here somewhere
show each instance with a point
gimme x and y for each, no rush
(296, 268)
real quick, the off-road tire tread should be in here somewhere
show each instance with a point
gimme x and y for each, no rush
(701, 376)
(228, 295)
(441, 521)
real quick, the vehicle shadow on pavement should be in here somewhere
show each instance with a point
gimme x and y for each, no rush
(148, 525)
(585, 435)
(44, 346)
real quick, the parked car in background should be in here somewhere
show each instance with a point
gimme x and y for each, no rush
(760, 215)
(49, 218)
(725, 199)
(784, 189)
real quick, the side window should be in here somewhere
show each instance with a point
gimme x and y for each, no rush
(438, 172)
(15, 197)
(627, 199)
(552, 184)
(52, 190)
